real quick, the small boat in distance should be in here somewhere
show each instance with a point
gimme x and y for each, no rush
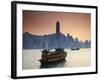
(75, 49)
(52, 56)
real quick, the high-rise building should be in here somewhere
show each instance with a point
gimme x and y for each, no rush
(57, 27)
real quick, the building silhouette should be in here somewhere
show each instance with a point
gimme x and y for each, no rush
(57, 27)
(54, 40)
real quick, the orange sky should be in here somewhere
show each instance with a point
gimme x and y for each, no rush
(40, 23)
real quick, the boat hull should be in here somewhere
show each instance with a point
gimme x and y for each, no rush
(53, 58)
(46, 61)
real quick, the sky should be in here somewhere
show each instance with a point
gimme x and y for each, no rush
(42, 22)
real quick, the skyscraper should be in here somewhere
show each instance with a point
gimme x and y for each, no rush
(57, 27)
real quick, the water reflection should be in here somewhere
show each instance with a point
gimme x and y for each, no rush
(54, 64)
(80, 58)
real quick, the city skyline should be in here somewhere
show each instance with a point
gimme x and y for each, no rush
(43, 22)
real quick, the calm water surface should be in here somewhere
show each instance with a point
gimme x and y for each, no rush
(75, 58)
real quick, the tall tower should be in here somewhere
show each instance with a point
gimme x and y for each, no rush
(57, 27)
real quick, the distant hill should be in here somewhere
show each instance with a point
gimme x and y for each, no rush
(51, 41)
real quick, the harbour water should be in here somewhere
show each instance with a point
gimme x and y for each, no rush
(75, 58)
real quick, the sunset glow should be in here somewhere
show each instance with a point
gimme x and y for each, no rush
(42, 22)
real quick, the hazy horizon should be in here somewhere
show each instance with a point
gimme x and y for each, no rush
(43, 22)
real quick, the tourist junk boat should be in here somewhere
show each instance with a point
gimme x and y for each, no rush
(52, 56)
